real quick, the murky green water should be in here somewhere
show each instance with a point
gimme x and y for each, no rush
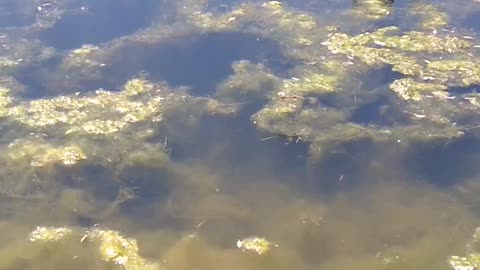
(239, 134)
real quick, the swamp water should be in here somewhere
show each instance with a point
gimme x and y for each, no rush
(163, 134)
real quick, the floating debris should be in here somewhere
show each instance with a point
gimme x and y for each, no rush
(68, 156)
(41, 153)
(472, 260)
(50, 234)
(464, 263)
(112, 246)
(115, 248)
(138, 86)
(255, 244)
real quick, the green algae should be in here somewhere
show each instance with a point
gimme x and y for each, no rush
(431, 16)
(372, 9)
(99, 113)
(294, 28)
(44, 154)
(5, 101)
(454, 73)
(361, 46)
(310, 84)
(68, 111)
(247, 82)
(408, 89)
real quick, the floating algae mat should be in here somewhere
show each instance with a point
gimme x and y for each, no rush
(239, 134)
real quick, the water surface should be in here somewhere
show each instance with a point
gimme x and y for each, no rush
(191, 125)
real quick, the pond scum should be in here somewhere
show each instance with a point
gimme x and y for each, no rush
(88, 179)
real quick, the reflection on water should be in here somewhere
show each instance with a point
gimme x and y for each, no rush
(239, 135)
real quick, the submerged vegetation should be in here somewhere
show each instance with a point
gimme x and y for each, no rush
(96, 142)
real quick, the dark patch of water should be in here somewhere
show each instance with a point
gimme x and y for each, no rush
(368, 99)
(200, 61)
(374, 99)
(471, 22)
(36, 77)
(372, 112)
(115, 191)
(320, 7)
(105, 21)
(222, 6)
(84, 221)
(95, 179)
(343, 167)
(464, 90)
(47, 79)
(15, 13)
(379, 77)
(148, 187)
(445, 163)
(148, 183)
(227, 141)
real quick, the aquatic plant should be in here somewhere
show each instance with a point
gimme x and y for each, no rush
(428, 78)
(248, 81)
(431, 16)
